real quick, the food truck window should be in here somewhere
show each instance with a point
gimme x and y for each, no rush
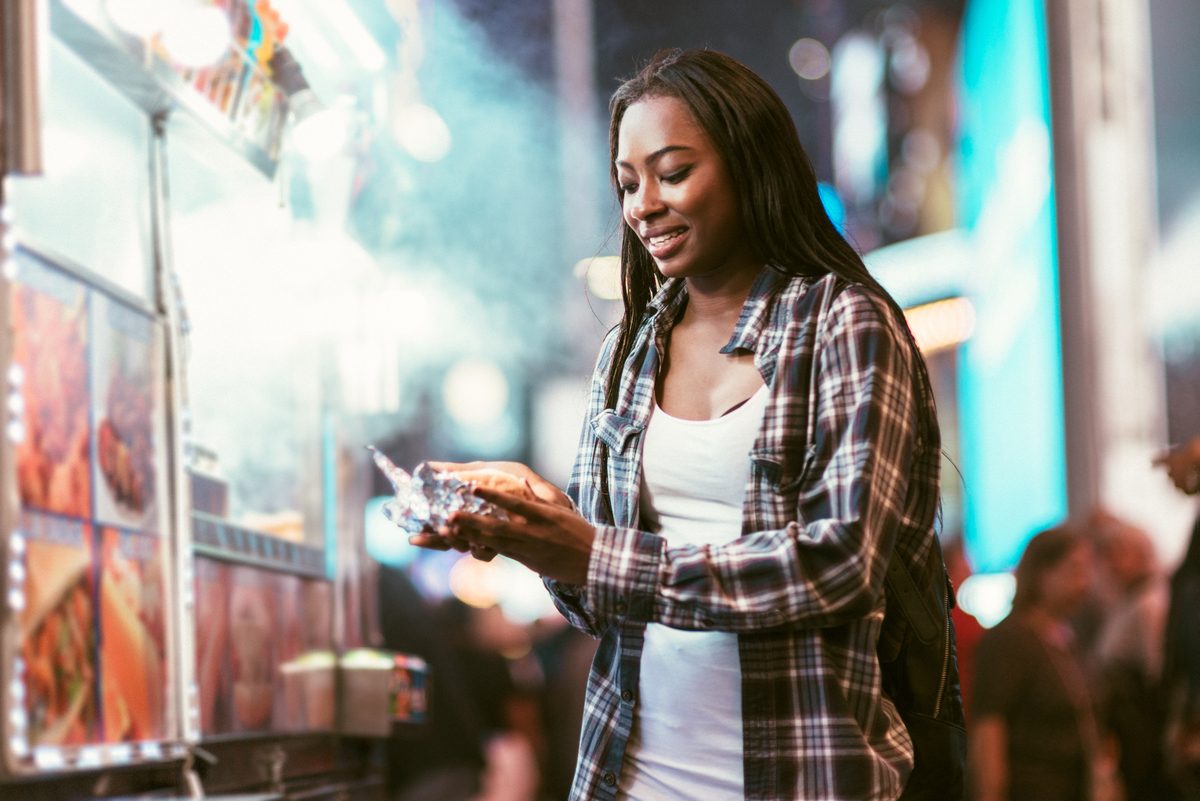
(92, 204)
(254, 446)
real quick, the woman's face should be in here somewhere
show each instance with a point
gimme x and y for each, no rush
(1065, 585)
(676, 194)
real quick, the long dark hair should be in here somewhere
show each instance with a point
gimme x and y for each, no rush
(781, 210)
(1043, 553)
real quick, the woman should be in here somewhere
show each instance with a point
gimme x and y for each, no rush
(1033, 732)
(761, 440)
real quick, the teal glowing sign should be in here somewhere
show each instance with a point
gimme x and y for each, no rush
(1010, 376)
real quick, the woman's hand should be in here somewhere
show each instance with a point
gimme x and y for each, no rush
(548, 538)
(480, 471)
(513, 478)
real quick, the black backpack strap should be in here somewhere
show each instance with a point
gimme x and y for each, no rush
(922, 608)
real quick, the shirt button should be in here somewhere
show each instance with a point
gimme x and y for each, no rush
(610, 778)
(620, 607)
(626, 695)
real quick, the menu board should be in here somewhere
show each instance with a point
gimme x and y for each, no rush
(264, 659)
(87, 561)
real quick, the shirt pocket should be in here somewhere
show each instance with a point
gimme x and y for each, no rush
(620, 435)
(615, 431)
(782, 469)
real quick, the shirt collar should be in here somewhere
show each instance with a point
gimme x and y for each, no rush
(668, 302)
(753, 319)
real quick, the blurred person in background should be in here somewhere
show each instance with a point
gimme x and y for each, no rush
(761, 441)
(1033, 729)
(1181, 658)
(504, 682)
(565, 654)
(442, 760)
(1128, 655)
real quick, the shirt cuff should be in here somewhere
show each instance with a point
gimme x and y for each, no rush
(623, 572)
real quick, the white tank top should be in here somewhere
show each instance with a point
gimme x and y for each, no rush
(687, 735)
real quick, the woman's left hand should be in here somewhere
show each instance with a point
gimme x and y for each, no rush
(549, 539)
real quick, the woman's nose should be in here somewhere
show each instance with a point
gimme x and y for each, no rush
(645, 203)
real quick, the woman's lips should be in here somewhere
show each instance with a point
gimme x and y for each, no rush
(666, 245)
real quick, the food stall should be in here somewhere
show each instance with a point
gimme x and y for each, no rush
(184, 586)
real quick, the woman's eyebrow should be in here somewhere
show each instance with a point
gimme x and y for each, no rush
(657, 154)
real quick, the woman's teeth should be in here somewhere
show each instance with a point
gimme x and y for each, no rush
(659, 241)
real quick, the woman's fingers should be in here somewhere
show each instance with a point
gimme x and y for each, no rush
(476, 527)
(430, 540)
(447, 541)
(539, 486)
(441, 540)
(483, 553)
(530, 510)
(455, 467)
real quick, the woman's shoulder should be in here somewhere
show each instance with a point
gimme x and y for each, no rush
(830, 303)
(604, 356)
(831, 291)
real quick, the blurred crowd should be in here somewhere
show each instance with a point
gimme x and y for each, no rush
(505, 700)
(1089, 689)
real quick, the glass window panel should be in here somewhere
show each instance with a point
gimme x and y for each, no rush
(92, 203)
(253, 375)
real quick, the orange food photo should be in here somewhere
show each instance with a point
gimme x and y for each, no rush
(125, 443)
(132, 654)
(58, 644)
(50, 347)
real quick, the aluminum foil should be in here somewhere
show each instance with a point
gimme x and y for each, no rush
(425, 499)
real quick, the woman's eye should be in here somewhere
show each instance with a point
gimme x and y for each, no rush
(627, 188)
(677, 176)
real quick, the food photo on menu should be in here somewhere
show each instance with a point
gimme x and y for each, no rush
(252, 624)
(48, 312)
(128, 414)
(212, 646)
(57, 632)
(133, 664)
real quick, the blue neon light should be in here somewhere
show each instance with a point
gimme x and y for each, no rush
(1010, 376)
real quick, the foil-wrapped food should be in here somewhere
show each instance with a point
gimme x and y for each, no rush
(424, 499)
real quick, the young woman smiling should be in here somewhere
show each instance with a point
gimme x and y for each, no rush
(761, 442)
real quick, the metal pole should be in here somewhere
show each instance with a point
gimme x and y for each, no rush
(20, 109)
(1069, 99)
(1099, 70)
(20, 153)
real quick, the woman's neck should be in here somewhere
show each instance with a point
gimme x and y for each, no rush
(719, 298)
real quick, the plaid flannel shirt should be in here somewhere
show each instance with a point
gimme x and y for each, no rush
(843, 472)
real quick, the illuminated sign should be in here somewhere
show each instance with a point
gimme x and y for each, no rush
(1010, 392)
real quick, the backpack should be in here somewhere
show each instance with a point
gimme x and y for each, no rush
(920, 675)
